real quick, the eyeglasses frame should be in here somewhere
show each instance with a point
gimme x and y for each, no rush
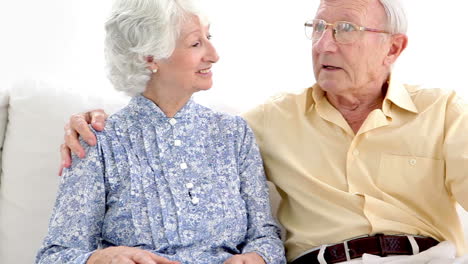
(333, 26)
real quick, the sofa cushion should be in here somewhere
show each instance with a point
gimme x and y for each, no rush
(37, 113)
(3, 117)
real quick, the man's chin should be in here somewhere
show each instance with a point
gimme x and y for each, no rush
(329, 85)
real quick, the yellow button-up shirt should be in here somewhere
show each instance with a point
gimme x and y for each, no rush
(403, 172)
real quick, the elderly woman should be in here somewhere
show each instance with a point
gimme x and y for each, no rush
(169, 180)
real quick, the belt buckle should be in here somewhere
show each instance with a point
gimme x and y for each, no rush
(346, 247)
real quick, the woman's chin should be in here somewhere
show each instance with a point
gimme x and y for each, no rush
(203, 87)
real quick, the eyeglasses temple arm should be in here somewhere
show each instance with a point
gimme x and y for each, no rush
(374, 30)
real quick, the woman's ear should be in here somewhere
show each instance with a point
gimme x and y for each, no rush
(152, 66)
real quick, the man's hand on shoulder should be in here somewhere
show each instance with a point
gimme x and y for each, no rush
(78, 126)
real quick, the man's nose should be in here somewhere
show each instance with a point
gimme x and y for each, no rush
(326, 43)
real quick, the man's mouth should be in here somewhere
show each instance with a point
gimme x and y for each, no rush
(330, 67)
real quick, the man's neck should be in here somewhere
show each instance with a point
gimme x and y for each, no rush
(355, 106)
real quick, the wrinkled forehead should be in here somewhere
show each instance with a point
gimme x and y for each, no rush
(365, 12)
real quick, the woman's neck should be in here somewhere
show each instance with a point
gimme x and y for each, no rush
(170, 101)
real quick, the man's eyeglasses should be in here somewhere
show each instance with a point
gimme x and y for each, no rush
(343, 32)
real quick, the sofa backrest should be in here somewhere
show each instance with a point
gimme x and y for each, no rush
(37, 112)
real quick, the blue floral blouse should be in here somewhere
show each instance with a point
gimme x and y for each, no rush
(190, 188)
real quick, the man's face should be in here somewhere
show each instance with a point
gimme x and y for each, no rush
(350, 67)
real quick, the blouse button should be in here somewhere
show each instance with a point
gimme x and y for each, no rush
(189, 185)
(172, 121)
(177, 142)
(412, 162)
(183, 165)
(195, 200)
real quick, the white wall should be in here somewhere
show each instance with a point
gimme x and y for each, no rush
(261, 43)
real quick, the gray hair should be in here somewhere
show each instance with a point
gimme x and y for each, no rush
(137, 29)
(397, 21)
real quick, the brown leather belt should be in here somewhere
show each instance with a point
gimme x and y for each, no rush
(381, 245)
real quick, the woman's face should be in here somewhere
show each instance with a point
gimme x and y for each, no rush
(189, 66)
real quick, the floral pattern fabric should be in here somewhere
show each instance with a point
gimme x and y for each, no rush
(190, 188)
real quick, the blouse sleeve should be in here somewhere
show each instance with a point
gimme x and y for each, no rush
(263, 232)
(77, 218)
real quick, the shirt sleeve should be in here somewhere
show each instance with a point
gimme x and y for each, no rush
(456, 149)
(263, 232)
(76, 222)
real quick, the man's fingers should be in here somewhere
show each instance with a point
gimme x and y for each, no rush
(65, 157)
(72, 142)
(98, 119)
(79, 125)
(60, 170)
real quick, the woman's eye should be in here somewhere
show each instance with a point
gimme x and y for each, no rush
(209, 37)
(196, 44)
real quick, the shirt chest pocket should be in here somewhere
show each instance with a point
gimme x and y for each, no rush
(411, 179)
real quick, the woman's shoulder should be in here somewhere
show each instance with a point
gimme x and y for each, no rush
(115, 129)
(119, 119)
(221, 118)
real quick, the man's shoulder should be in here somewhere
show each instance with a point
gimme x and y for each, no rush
(423, 90)
(284, 101)
(425, 96)
(279, 106)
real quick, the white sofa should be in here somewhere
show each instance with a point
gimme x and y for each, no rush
(32, 115)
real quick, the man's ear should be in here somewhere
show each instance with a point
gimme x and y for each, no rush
(397, 45)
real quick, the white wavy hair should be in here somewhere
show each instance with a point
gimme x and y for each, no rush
(397, 22)
(137, 29)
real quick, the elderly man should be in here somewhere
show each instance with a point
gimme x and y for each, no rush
(366, 167)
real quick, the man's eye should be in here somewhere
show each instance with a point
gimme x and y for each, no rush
(196, 44)
(209, 36)
(346, 27)
(319, 27)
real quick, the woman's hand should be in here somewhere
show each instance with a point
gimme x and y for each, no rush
(247, 258)
(126, 255)
(78, 126)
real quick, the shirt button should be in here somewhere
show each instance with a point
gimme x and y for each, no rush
(177, 142)
(195, 200)
(189, 185)
(355, 152)
(172, 121)
(183, 166)
(412, 162)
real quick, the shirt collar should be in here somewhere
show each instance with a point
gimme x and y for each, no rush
(315, 95)
(147, 107)
(396, 94)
